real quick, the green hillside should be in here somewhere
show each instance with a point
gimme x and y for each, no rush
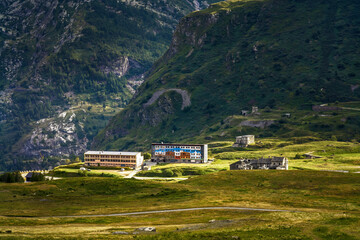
(58, 55)
(282, 56)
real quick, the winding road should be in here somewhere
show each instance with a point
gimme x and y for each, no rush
(166, 211)
(184, 94)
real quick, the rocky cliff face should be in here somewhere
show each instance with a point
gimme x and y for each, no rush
(58, 136)
(95, 51)
(235, 54)
(25, 31)
(34, 30)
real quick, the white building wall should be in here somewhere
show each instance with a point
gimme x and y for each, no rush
(205, 153)
(139, 160)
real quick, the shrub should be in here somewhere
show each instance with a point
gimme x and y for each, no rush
(37, 177)
(176, 172)
(168, 173)
(11, 177)
(82, 173)
(147, 156)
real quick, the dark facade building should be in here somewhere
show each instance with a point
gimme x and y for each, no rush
(179, 153)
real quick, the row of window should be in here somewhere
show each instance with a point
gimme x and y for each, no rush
(109, 156)
(178, 157)
(117, 161)
(177, 153)
(183, 147)
(112, 165)
(119, 158)
(93, 160)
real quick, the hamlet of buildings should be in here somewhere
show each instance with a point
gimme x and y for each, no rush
(179, 153)
(279, 163)
(113, 159)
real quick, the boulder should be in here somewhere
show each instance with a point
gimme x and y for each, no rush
(146, 229)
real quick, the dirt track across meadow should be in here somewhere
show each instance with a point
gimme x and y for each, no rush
(166, 211)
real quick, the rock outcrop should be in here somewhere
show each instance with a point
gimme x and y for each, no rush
(59, 136)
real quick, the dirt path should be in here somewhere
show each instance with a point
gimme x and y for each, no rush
(165, 211)
(184, 94)
(161, 178)
(355, 109)
(132, 174)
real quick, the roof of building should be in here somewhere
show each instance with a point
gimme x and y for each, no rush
(245, 136)
(29, 175)
(112, 153)
(278, 158)
(178, 144)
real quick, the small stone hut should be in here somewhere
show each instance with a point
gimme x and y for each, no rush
(244, 141)
(29, 176)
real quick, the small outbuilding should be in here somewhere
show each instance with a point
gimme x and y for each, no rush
(244, 112)
(244, 141)
(288, 115)
(254, 110)
(28, 176)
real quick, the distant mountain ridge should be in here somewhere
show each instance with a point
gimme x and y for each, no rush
(58, 54)
(235, 54)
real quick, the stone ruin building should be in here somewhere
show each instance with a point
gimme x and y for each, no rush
(244, 141)
(278, 163)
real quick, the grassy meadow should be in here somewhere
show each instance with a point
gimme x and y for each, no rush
(323, 205)
(320, 203)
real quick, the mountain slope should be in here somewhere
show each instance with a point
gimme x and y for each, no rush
(269, 53)
(60, 54)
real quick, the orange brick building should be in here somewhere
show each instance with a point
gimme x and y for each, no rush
(113, 159)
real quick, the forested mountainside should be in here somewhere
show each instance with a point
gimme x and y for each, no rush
(283, 56)
(61, 59)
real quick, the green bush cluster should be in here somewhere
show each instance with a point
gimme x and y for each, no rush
(299, 156)
(82, 173)
(11, 177)
(79, 173)
(147, 156)
(176, 172)
(37, 177)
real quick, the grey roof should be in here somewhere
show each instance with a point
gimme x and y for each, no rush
(29, 175)
(112, 153)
